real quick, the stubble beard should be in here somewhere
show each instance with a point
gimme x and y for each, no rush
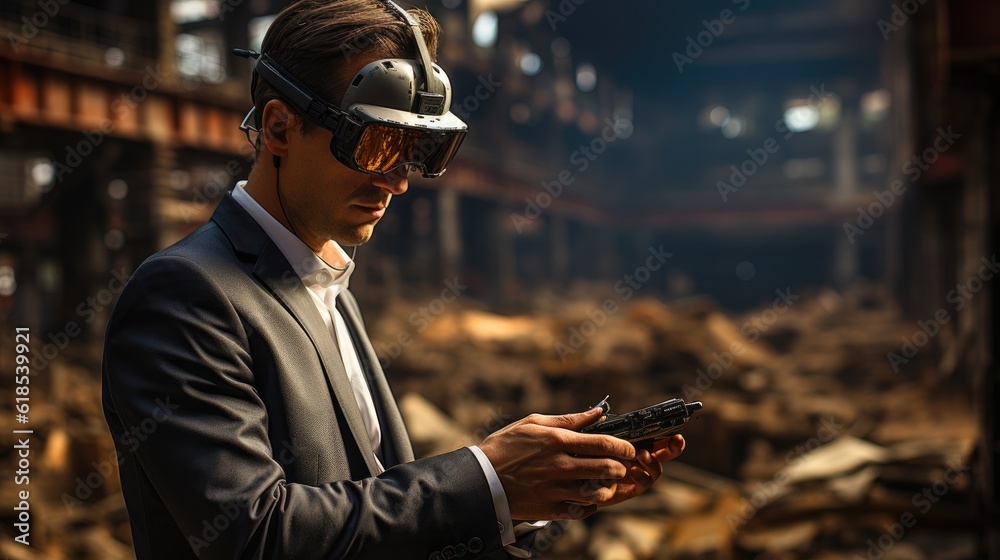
(353, 235)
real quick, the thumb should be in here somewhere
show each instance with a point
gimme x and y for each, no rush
(574, 421)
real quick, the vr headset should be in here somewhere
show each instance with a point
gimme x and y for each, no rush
(395, 112)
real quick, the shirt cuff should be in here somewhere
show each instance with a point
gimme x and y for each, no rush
(520, 530)
(500, 504)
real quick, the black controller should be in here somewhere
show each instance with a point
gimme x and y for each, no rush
(646, 424)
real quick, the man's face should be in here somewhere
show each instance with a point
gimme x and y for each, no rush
(330, 199)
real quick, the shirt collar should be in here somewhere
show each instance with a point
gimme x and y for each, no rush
(307, 265)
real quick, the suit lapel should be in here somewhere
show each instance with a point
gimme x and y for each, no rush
(394, 427)
(273, 270)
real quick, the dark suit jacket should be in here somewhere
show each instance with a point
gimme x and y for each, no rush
(241, 436)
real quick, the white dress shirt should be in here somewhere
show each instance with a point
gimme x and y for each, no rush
(325, 283)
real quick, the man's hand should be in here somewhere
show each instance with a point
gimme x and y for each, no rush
(551, 471)
(646, 468)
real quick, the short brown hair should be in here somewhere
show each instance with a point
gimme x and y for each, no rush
(314, 40)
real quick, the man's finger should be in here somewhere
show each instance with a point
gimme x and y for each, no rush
(669, 449)
(592, 468)
(648, 465)
(597, 445)
(575, 421)
(583, 492)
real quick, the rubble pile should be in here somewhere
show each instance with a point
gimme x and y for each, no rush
(812, 443)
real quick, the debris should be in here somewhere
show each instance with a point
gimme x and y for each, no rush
(810, 445)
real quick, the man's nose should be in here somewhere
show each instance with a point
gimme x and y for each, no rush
(395, 181)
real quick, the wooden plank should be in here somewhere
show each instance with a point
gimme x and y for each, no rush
(24, 92)
(57, 99)
(93, 105)
(158, 117)
(124, 113)
(189, 122)
(213, 127)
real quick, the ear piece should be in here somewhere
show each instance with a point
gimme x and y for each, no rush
(277, 162)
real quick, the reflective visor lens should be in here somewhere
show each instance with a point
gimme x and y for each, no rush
(383, 148)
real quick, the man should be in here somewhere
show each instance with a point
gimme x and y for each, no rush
(240, 386)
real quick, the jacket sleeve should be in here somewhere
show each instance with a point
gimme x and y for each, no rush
(181, 402)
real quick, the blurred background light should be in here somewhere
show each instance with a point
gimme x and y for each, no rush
(586, 77)
(118, 189)
(41, 173)
(484, 30)
(719, 116)
(185, 11)
(801, 116)
(114, 57)
(257, 28)
(531, 64)
(114, 239)
(8, 283)
(199, 57)
(875, 104)
(734, 127)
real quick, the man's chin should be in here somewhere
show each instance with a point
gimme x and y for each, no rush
(356, 236)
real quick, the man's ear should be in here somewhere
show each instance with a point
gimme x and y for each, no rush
(276, 122)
